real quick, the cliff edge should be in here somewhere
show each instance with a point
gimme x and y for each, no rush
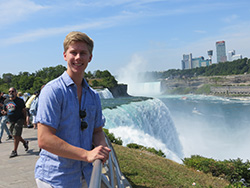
(119, 91)
(215, 85)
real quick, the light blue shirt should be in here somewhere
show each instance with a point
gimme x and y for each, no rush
(58, 107)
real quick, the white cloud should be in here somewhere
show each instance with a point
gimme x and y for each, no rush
(34, 35)
(200, 31)
(112, 3)
(231, 18)
(12, 11)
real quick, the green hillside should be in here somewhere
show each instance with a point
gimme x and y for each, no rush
(144, 170)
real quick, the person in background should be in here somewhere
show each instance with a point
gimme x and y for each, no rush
(15, 110)
(20, 95)
(26, 97)
(27, 106)
(3, 118)
(70, 122)
(33, 109)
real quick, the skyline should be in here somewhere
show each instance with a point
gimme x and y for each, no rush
(146, 35)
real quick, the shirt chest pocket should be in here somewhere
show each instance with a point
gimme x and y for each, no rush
(91, 112)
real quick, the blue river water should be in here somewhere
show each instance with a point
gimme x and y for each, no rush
(213, 127)
(181, 126)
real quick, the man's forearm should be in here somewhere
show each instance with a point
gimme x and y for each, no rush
(99, 138)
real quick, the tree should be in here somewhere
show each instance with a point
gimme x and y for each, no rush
(37, 84)
(95, 83)
(7, 78)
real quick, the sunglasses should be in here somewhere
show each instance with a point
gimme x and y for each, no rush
(84, 124)
(11, 91)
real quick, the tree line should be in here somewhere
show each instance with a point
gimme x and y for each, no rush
(31, 82)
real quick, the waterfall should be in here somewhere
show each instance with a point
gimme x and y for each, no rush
(105, 94)
(147, 123)
(144, 89)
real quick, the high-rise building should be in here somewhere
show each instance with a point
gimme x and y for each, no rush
(221, 51)
(232, 56)
(210, 54)
(187, 61)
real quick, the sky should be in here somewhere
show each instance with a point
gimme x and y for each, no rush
(141, 35)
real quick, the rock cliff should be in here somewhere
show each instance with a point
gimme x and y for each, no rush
(230, 85)
(119, 91)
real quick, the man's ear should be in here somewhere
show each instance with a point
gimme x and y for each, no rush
(64, 56)
(90, 58)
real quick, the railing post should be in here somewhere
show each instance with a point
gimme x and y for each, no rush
(97, 173)
(112, 175)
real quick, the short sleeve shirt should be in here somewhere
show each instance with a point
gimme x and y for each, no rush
(59, 107)
(14, 109)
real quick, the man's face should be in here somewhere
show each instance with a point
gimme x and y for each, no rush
(77, 57)
(12, 93)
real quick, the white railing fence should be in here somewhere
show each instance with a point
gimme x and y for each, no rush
(108, 175)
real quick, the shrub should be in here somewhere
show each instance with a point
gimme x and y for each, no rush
(151, 150)
(112, 138)
(235, 171)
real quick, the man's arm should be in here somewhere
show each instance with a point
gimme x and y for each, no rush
(48, 140)
(98, 137)
(99, 141)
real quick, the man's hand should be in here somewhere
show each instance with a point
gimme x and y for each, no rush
(100, 152)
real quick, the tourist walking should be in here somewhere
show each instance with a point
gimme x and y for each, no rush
(15, 109)
(33, 109)
(70, 122)
(3, 119)
(27, 106)
(3, 126)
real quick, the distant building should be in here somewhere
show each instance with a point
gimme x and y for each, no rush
(210, 54)
(221, 51)
(189, 63)
(200, 62)
(232, 56)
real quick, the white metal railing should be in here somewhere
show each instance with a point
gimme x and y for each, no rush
(108, 175)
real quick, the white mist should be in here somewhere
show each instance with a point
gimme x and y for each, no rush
(136, 86)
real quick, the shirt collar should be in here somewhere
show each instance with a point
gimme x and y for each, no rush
(68, 81)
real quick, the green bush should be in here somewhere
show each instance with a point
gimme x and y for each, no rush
(112, 138)
(134, 146)
(235, 171)
(151, 150)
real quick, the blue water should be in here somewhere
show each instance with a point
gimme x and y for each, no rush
(218, 128)
(182, 126)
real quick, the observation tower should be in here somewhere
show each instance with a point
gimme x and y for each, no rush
(210, 54)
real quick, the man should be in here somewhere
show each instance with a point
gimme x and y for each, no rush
(70, 122)
(3, 119)
(15, 109)
(33, 109)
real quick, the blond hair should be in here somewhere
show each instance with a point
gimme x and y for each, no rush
(77, 36)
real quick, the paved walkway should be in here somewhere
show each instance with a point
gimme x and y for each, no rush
(18, 172)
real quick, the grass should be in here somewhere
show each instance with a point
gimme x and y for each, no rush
(146, 170)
